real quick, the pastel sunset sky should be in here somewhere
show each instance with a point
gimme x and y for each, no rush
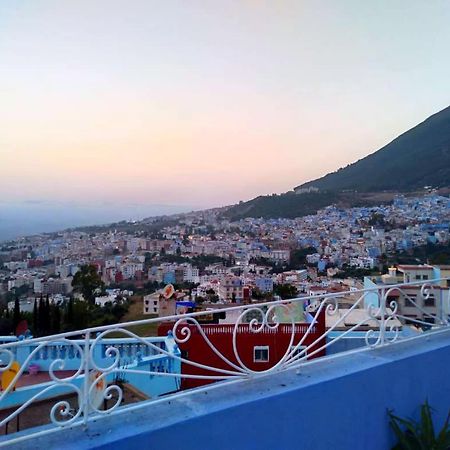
(205, 103)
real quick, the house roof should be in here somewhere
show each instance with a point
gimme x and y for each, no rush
(414, 267)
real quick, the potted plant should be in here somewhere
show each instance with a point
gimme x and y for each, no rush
(421, 435)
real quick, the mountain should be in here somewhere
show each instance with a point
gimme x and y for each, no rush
(420, 157)
(283, 205)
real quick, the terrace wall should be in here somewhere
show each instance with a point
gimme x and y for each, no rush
(337, 402)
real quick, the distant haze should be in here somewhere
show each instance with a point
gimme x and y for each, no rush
(18, 219)
(203, 103)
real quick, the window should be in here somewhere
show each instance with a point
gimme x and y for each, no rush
(429, 302)
(425, 277)
(300, 352)
(409, 302)
(146, 309)
(417, 277)
(155, 302)
(261, 353)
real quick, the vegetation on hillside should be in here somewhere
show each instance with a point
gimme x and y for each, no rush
(430, 253)
(419, 157)
(287, 205)
(50, 318)
(88, 282)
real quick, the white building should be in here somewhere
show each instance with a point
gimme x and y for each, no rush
(191, 274)
(103, 300)
(151, 303)
(231, 288)
(129, 269)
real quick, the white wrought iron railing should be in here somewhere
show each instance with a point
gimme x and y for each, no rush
(89, 373)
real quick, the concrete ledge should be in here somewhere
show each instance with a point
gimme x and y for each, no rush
(339, 402)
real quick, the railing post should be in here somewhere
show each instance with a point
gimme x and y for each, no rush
(383, 316)
(440, 305)
(86, 378)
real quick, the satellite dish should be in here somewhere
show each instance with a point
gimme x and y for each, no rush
(168, 291)
(97, 392)
(9, 375)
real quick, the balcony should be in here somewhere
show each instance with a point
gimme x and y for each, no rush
(337, 401)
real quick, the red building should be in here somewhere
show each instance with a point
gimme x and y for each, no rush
(35, 263)
(118, 277)
(258, 351)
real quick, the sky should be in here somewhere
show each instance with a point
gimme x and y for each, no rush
(192, 104)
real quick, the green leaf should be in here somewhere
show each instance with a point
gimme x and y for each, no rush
(427, 435)
(421, 435)
(405, 441)
(443, 439)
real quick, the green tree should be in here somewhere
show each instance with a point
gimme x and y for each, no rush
(41, 317)
(44, 317)
(69, 316)
(35, 318)
(285, 291)
(16, 315)
(81, 315)
(298, 257)
(5, 323)
(21, 290)
(87, 281)
(377, 219)
(230, 261)
(56, 319)
(199, 300)
(148, 260)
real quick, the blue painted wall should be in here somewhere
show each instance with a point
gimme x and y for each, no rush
(342, 406)
(152, 384)
(370, 298)
(149, 360)
(333, 403)
(69, 352)
(357, 339)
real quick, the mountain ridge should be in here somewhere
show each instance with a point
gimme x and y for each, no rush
(428, 147)
(415, 159)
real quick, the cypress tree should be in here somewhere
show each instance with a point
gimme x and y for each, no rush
(41, 316)
(69, 313)
(56, 320)
(35, 318)
(16, 316)
(47, 320)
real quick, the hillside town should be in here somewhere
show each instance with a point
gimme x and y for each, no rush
(208, 258)
(224, 225)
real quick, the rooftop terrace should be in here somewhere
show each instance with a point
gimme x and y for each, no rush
(338, 401)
